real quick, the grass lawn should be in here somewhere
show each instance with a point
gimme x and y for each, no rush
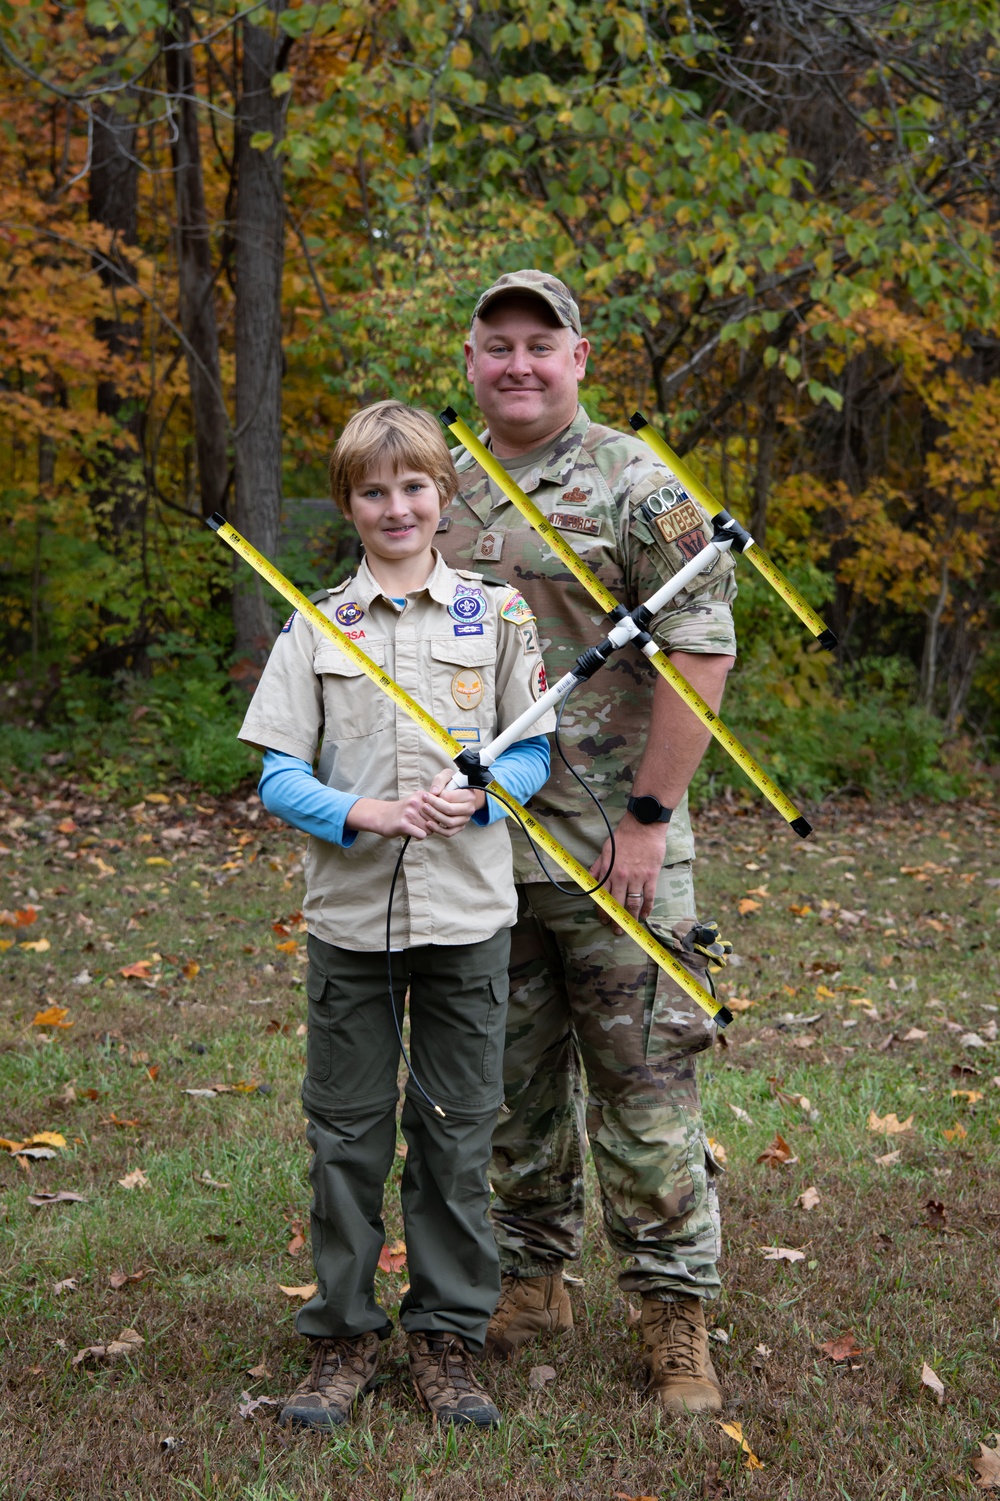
(869, 988)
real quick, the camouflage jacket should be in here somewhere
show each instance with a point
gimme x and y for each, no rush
(593, 486)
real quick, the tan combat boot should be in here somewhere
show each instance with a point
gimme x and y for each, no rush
(527, 1306)
(446, 1387)
(681, 1375)
(342, 1371)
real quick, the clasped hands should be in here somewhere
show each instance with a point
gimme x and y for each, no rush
(437, 809)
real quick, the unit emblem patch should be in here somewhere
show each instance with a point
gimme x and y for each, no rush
(349, 614)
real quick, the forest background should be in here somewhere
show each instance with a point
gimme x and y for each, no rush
(224, 228)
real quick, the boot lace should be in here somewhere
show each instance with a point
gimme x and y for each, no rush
(675, 1338)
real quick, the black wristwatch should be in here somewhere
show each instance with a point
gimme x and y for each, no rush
(648, 809)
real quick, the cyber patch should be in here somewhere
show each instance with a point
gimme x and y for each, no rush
(468, 605)
(516, 609)
(679, 519)
(349, 614)
(465, 734)
(569, 523)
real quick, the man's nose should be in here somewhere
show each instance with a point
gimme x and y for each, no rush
(518, 363)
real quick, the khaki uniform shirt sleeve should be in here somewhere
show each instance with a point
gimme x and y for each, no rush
(700, 618)
(286, 711)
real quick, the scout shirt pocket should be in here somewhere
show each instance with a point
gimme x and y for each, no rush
(352, 704)
(463, 685)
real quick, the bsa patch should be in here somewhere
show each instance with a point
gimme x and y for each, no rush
(690, 544)
(489, 545)
(469, 605)
(468, 630)
(288, 623)
(465, 734)
(349, 614)
(539, 682)
(444, 525)
(680, 519)
(516, 609)
(575, 497)
(467, 688)
(566, 522)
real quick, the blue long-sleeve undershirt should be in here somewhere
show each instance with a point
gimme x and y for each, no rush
(289, 790)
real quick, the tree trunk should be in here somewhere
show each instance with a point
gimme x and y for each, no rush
(928, 670)
(260, 243)
(766, 436)
(194, 263)
(119, 494)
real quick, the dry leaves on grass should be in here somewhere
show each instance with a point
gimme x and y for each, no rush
(129, 1342)
(808, 1199)
(41, 1199)
(778, 1154)
(22, 918)
(135, 1179)
(889, 1158)
(889, 1125)
(957, 1132)
(781, 1253)
(539, 1377)
(844, 1347)
(987, 1466)
(393, 1258)
(139, 971)
(211, 1182)
(305, 1292)
(249, 1405)
(52, 1016)
(121, 1279)
(735, 1432)
(741, 1115)
(930, 1379)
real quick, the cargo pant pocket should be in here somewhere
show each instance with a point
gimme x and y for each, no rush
(496, 1027)
(319, 1045)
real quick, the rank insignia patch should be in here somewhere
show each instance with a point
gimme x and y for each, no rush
(567, 522)
(349, 614)
(489, 546)
(467, 688)
(575, 497)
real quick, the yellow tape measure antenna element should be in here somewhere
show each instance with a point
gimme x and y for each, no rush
(562, 549)
(694, 487)
(539, 833)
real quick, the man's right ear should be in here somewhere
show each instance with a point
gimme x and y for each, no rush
(469, 360)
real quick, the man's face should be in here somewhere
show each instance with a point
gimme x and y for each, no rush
(525, 372)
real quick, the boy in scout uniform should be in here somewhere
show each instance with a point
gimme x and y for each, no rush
(580, 990)
(466, 649)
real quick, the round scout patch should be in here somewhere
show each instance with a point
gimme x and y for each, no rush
(467, 688)
(539, 683)
(468, 605)
(349, 614)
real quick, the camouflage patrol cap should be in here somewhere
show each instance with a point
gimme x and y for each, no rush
(539, 284)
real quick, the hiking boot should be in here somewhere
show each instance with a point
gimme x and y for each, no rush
(681, 1375)
(441, 1367)
(527, 1306)
(342, 1371)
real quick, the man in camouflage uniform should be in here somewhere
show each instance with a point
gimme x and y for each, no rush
(579, 989)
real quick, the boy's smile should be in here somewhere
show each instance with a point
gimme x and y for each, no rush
(396, 515)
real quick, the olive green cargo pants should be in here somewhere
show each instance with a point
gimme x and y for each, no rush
(458, 1010)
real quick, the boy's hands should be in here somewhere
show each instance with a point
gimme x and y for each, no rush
(439, 810)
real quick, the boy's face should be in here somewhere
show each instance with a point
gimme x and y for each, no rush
(396, 514)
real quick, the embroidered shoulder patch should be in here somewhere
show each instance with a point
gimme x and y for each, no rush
(680, 519)
(516, 609)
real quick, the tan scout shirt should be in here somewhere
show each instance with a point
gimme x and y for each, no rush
(593, 484)
(473, 670)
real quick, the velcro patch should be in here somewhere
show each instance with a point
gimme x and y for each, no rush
(680, 519)
(569, 523)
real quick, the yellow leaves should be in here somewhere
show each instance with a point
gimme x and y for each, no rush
(461, 55)
(52, 1016)
(37, 945)
(305, 1292)
(618, 211)
(889, 1125)
(957, 1132)
(746, 905)
(735, 1432)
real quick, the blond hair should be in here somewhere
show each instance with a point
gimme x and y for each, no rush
(408, 437)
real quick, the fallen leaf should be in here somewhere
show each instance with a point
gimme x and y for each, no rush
(987, 1466)
(744, 906)
(296, 1244)
(781, 1253)
(136, 1179)
(308, 1290)
(157, 860)
(288, 947)
(971, 1096)
(957, 1132)
(800, 911)
(393, 1258)
(914, 1035)
(937, 1215)
(249, 1405)
(741, 1115)
(68, 1285)
(740, 1003)
(190, 969)
(808, 1199)
(52, 1016)
(36, 1153)
(259, 1372)
(202, 1094)
(301, 1030)
(930, 1379)
(735, 1432)
(127, 1343)
(39, 1200)
(778, 1154)
(22, 918)
(757, 891)
(889, 1158)
(844, 1347)
(764, 1351)
(539, 1377)
(46, 1139)
(116, 1120)
(720, 1336)
(967, 1040)
(137, 971)
(207, 1178)
(889, 1125)
(42, 946)
(119, 1279)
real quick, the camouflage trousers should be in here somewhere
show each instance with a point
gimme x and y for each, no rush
(581, 995)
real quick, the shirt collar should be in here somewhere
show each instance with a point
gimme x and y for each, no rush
(366, 587)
